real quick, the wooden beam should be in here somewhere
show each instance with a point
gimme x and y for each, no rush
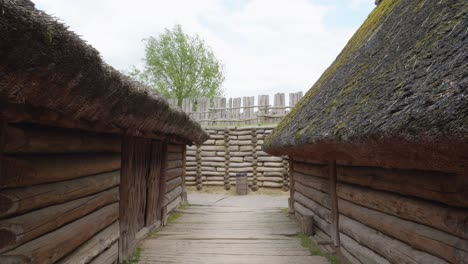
(292, 188)
(27, 170)
(53, 246)
(40, 139)
(93, 247)
(24, 228)
(184, 172)
(109, 256)
(335, 232)
(22, 200)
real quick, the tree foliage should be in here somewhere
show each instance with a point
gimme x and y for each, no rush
(180, 66)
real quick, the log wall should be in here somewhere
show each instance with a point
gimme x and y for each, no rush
(233, 150)
(59, 195)
(386, 215)
(175, 174)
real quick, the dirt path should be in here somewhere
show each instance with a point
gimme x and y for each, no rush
(243, 229)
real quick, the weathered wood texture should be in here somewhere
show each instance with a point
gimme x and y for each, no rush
(236, 150)
(108, 256)
(235, 235)
(53, 246)
(18, 230)
(448, 188)
(21, 200)
(379, 223)
(27, 170)
(136, 156)
(36, 139)
(154, 182)
(94, 246)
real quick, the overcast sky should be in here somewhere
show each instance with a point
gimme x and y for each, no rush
(267, 46)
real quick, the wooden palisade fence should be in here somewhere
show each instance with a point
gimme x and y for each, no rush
(238, 111)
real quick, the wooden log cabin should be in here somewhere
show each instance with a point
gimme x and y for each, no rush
(378, 147)
(90, 161)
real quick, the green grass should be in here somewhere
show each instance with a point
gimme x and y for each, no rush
(315, 250)
(184, 206)
(285, 211)
(135, 256)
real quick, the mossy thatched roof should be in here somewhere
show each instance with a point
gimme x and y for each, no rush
(46, 67)
(403, 75)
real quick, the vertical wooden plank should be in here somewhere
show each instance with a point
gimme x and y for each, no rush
(3, 126)
(229, 111)
(334, 229)
(184, 166)
(125, 211)
(163, 180)
(236, 103)
(291, 186)
(153, 183)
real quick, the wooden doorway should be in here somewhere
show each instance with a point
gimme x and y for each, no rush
(141, 185)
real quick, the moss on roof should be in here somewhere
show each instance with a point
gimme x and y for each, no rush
(46, 65)
(403, 74)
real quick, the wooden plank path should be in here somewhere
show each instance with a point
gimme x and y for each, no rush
(219, 234)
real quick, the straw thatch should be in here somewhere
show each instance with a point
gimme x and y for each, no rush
(398, 88)
(49, 75)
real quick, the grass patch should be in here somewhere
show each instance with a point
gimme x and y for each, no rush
(184, 206)
(285, 211)
(135, 256)
(173, 217)
(315, 250)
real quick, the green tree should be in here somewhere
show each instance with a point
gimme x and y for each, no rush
(180, 66)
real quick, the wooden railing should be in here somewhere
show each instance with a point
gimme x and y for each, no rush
(238, 111)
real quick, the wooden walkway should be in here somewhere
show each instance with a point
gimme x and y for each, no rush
(235, 235)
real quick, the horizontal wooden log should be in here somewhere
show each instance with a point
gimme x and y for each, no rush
(312, 181)
(213, 164)
(53, 246)
(240, 165)
(21, 200)
(272, 184)
(270, 179)
(446, 188)
(450, 189)
(172, 195)
(37, 169)
(172, 184)
(213, 183)
(222, 159)
(35, 139)
(109, 256)
(449, 219)
(318, 221)
(273, 164)
(391, 249)
(317, 170)
(191, 152)
(362, 253)
(316, 195)
(93, 247)
(320, 210)
(269, 169)
(173, 148)
(173, 205)
(212, 148)
(173, 173)
(212, 173)
(174, 156)
(24, 228)
(421, 237)
(171, 164)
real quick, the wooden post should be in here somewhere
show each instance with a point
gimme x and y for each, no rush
(163, 181)
(227, 182)
(3, 126)
(184, 166)
(291, 186)
(335, 232)
(307, 225)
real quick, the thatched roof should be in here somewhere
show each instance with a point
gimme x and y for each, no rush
(49, 75)
(399, 87)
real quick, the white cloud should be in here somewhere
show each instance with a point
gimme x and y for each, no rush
(267, 46)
